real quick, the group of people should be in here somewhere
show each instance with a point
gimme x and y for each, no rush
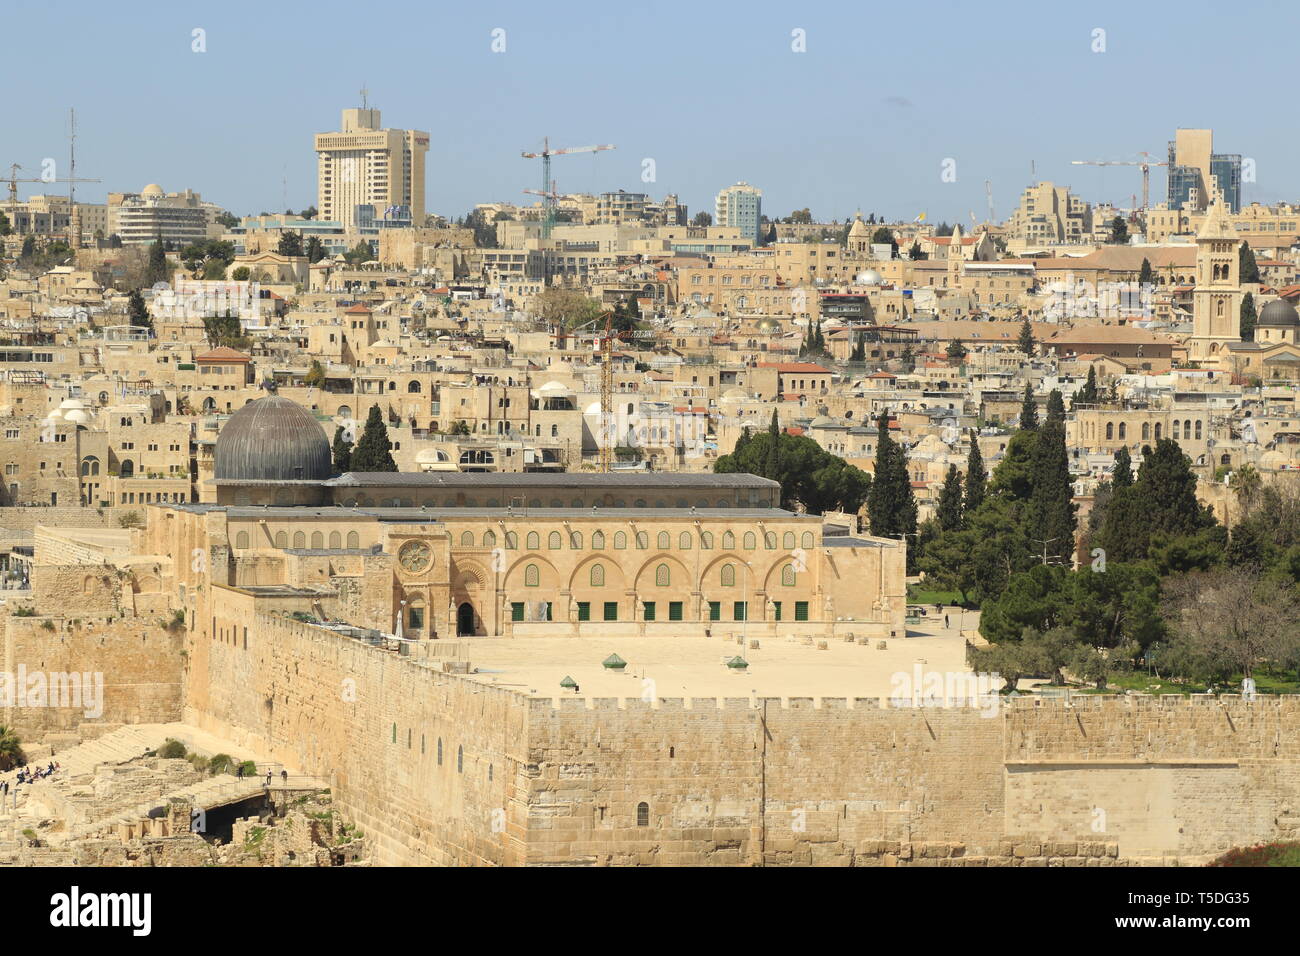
(28, 775)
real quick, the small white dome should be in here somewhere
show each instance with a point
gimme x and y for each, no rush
(868, 277)
(152, 191)
(77, 415)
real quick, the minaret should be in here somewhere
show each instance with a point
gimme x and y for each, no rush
(1216, 302)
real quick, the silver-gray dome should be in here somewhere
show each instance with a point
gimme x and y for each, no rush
(1279, 314)
(272, 439)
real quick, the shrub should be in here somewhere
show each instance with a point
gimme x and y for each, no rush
(25, 612)
(172, 749)
(221, 763)
(1261, 854)
(129, 520)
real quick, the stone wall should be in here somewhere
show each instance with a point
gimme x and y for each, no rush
(140, 663)
(542, 782)
(429, 766)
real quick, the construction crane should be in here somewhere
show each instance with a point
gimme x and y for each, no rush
(607, 397)
(548, 187)
(988, 191)
(13, 179)
(1144, 164)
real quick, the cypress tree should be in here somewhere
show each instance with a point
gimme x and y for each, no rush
(1146, 276)
(891, 506)
(1168, 488)
(1247, 266)
(1026, 343)
(948, 510)
(342, 451)
(976, 476)
(1051, 508)
(1122, 476)
(772, 461)
(1248, 318)
(1055, 408)
(372, 451)
(157, 271)
(138, 311)
(1088, 395)
(1028, 410)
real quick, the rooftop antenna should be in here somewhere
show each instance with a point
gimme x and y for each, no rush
(74, 217)
(365, 94)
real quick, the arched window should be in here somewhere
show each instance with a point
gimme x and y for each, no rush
(769, 540)
(1187, 428)
(665, 541)
(533, 541)
(532, 576)
(787, 576)
(1110, 430)
(1146, 430)
(1198, 431)
(128, 468)
(354, 540)
(1157, 431)
(1176, 429)
(489, 539)
(467, 539)
(728, 540)
(1123, 431)
(554, 542)
(643, 814)
(684, 541)
(282, 539)
(336, 540)
(512, 540)
(299, 540)
(662, 576)
(598, 540)
(642, 540)
(241, 540)
(751, 542)
(413, 388)
(807, 540)
(728, 576)
(620, 540)
(317, 541)
(706, 540)
(787, 541)
(575, 540)
(597, 575)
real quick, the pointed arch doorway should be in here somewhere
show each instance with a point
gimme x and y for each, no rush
(465, 619)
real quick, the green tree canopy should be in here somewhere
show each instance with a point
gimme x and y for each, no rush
(373, 449)
(342, 451)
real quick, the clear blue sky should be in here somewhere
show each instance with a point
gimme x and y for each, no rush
(710, 90)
